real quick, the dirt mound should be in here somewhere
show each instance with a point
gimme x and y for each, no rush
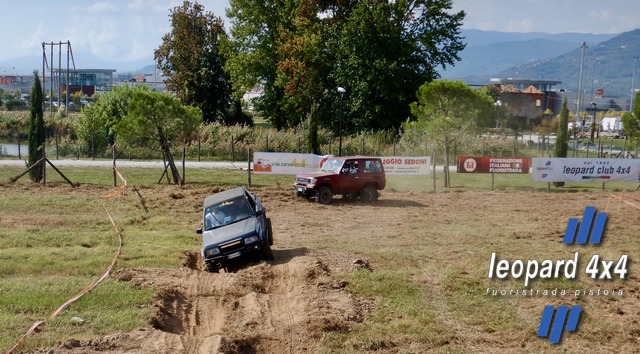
(278, 307)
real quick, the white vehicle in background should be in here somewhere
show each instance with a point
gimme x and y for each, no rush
(612, 126)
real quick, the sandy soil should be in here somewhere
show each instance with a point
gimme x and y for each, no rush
(286, 306)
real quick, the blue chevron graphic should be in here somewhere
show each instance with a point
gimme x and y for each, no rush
(586, 228)
(558, 322)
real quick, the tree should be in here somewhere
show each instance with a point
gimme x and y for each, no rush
(98, 121)
(631, 123)
(562, 135)
(190, 56)
(448, 112)
(158, 118)
(300, 51)
(36, 130)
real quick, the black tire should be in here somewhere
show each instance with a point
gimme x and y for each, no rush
(212, 268)
(269, 232)
(369, 194)
(324, 195)
(266, 253)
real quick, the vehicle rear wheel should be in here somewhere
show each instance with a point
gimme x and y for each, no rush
(369, 194)
(324, 195)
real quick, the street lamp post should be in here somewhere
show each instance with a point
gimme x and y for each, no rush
(593, 122)
(341, 90)
(497, 104)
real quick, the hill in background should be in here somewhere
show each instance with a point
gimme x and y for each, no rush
(608, 60)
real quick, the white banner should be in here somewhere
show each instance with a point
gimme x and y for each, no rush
(286, 163)
(559, 169)
(292, 163)
(407, 165)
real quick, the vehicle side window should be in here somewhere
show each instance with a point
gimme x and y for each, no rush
(372, 166)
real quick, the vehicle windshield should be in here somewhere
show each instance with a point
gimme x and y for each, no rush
(332, 165)
(226, 212)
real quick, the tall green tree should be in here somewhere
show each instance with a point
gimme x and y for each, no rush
(448, 112)
(36, 130)
(160, 121)
(300, 51)
(562, 135)
(631, 123)
(190, 56)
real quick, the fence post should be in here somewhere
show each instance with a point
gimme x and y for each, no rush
(249, 167)
(44, 165)
(233, 154)
(363, 145)
(56, 136)
(198, 147)
(299, 144)
(19, 157)
(113, 150)
(184, 157)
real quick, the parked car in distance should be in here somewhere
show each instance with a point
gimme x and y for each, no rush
(235, 228)
(352, 177)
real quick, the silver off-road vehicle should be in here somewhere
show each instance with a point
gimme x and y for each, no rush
(235, 227)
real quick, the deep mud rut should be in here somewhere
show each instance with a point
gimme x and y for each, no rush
(281, 307)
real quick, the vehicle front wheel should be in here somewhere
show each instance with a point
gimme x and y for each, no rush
(324, 196)
(267, 253)
(369, 194)
(212, 268)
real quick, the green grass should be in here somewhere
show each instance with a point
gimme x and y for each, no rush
(57, 239)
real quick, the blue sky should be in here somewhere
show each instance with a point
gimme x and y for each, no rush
(124, 33)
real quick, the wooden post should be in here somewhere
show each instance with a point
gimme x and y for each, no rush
(113, 150)
(198, 147)
(56, 138)
(492, 180)
(249, 167)
(19, 157)
(233, 155)
(44, 166)
(434, 172)
(184, 154)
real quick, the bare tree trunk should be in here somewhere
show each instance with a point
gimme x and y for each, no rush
(164, 145)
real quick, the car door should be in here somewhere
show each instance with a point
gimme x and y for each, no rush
(349, 181)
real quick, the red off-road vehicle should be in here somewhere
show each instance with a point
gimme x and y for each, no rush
(352, 177)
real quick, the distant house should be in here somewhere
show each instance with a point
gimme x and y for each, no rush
(528, 98)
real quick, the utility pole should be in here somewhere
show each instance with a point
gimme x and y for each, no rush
(633, 79)
(579, 102)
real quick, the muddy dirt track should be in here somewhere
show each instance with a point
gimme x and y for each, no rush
(288, 305)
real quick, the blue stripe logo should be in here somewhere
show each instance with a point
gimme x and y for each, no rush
(558, 326)
(587, 227)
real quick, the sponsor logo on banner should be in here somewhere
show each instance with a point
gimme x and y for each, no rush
(585, 170)
(493, 164)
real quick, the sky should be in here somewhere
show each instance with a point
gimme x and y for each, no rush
(124, 33)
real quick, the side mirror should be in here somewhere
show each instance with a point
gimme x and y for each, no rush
(199, 231)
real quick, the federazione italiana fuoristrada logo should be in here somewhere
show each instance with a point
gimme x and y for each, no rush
(556, 320)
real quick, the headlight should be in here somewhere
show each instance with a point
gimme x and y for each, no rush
(211, 252)
(251, 239)
(313, 180)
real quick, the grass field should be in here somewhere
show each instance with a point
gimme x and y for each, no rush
(429, 252)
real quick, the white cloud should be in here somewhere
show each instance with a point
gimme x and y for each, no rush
(524, 25)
